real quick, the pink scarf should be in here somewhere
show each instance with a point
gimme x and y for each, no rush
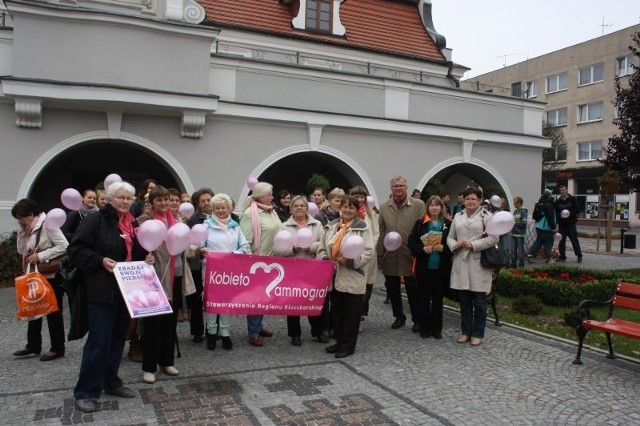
(125, 223)
(27, 237)
(255, 222)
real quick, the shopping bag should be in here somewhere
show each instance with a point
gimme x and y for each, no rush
(36, 297)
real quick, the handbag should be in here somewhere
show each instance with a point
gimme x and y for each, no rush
(494, 257)
(70, 275)
(36, 297)
(50, 266)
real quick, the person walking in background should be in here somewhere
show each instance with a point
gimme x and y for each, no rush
(467, 240)
(432, 265)
(37, 244)
(518, 234)
(567, 223)
(259, 223)
(399, 214)
(459, 205)
(545, 217)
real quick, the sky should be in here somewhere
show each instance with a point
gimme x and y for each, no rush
(487, 34)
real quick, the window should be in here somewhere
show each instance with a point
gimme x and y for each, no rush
(590, 75)
(532, 89)
(624, 66)
(589, 150)
(516, 89)
(557, 117)
(619, 107)
(590, 112)
(557, 153)
(558, 82)
(319, 15)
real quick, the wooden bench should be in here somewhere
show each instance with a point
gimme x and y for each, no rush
(627, 296)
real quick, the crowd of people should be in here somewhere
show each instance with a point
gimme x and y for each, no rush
(440, 252)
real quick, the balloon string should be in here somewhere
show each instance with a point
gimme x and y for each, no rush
(165, 271)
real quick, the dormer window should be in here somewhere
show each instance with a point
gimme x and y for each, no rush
(319, 15)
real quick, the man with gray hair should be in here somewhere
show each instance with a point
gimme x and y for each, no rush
(399, 214)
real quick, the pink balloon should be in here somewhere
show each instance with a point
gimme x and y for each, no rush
(371, 202)
(392, 241)
(112, 178)
(500, 223)
(199, 233)
(565, 213)
(251, 182)
(151, 234)
(55, 219)
(495, 201)
(186, 209)
(71, 199)
(313, 209)
(178, 238)
(353, 247)
(303, 238)
(557, 237)
(283, 241)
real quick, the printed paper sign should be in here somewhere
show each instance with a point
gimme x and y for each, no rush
(265, 285)
(141, 289)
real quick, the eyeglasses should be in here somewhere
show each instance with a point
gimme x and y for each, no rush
(398, 186)
(123, 198)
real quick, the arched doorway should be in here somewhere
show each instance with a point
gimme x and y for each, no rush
(86, 164)
(293, 171)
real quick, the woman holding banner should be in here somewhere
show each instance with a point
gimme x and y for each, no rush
(224, 236)
(305, 245)
(159, 331)
(101, 240)
(350, 280)
(259, 224)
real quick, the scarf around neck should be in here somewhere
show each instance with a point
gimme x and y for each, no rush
(125, 224)
(255, 222)
(338, 237)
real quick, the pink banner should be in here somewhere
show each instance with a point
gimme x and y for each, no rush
(265, 285)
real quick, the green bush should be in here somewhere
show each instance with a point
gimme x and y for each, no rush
(318, 181)
(10, 262)
(527, 304)
(558, 285)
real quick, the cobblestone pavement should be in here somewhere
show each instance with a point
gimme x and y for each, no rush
(395, 377)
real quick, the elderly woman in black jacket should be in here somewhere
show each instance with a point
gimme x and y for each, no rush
(102, 240)
(432, 265)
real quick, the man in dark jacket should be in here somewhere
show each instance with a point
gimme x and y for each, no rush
(567, 210)
(545, 217)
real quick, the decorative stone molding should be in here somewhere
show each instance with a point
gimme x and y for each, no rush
(28, 112)
(188, 11)
(315, 134)
(193, 124)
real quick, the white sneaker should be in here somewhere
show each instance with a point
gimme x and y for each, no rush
(171, 370)
(149, 378)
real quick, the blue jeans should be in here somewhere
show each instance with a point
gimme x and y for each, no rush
(544, 240)
(102, 353)
(473, 312)
(254, 325)
(517, 252)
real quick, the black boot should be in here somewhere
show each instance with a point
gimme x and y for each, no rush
(211, 341)
(227, 343)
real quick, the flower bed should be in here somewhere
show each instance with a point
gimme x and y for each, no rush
(559, 285)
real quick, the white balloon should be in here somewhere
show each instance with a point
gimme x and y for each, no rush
(313, 209)
(500, 223)
(565, 213)
(283, 241)
(112, 178)
(495, 201)
(371, 202)
(557, 237)
(303, 238)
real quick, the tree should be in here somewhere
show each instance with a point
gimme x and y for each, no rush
(622, 154)
(433, 187)
(557, 151)
(317, 181)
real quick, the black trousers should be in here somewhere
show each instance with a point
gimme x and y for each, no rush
(392, 285)
(431, 285)
(367, 298)
(194, 301)
(55, 323)
(294, 329)
(158, 341)
(346, 313)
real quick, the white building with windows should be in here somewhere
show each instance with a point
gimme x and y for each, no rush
(209, 93)
(577, 84)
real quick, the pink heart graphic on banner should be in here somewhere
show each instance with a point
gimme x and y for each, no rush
(268, 268)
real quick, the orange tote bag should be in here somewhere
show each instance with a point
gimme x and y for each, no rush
(36, 297)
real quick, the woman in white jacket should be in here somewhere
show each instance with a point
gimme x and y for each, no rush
(37, 244)
(224, 236)
(350, 280)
